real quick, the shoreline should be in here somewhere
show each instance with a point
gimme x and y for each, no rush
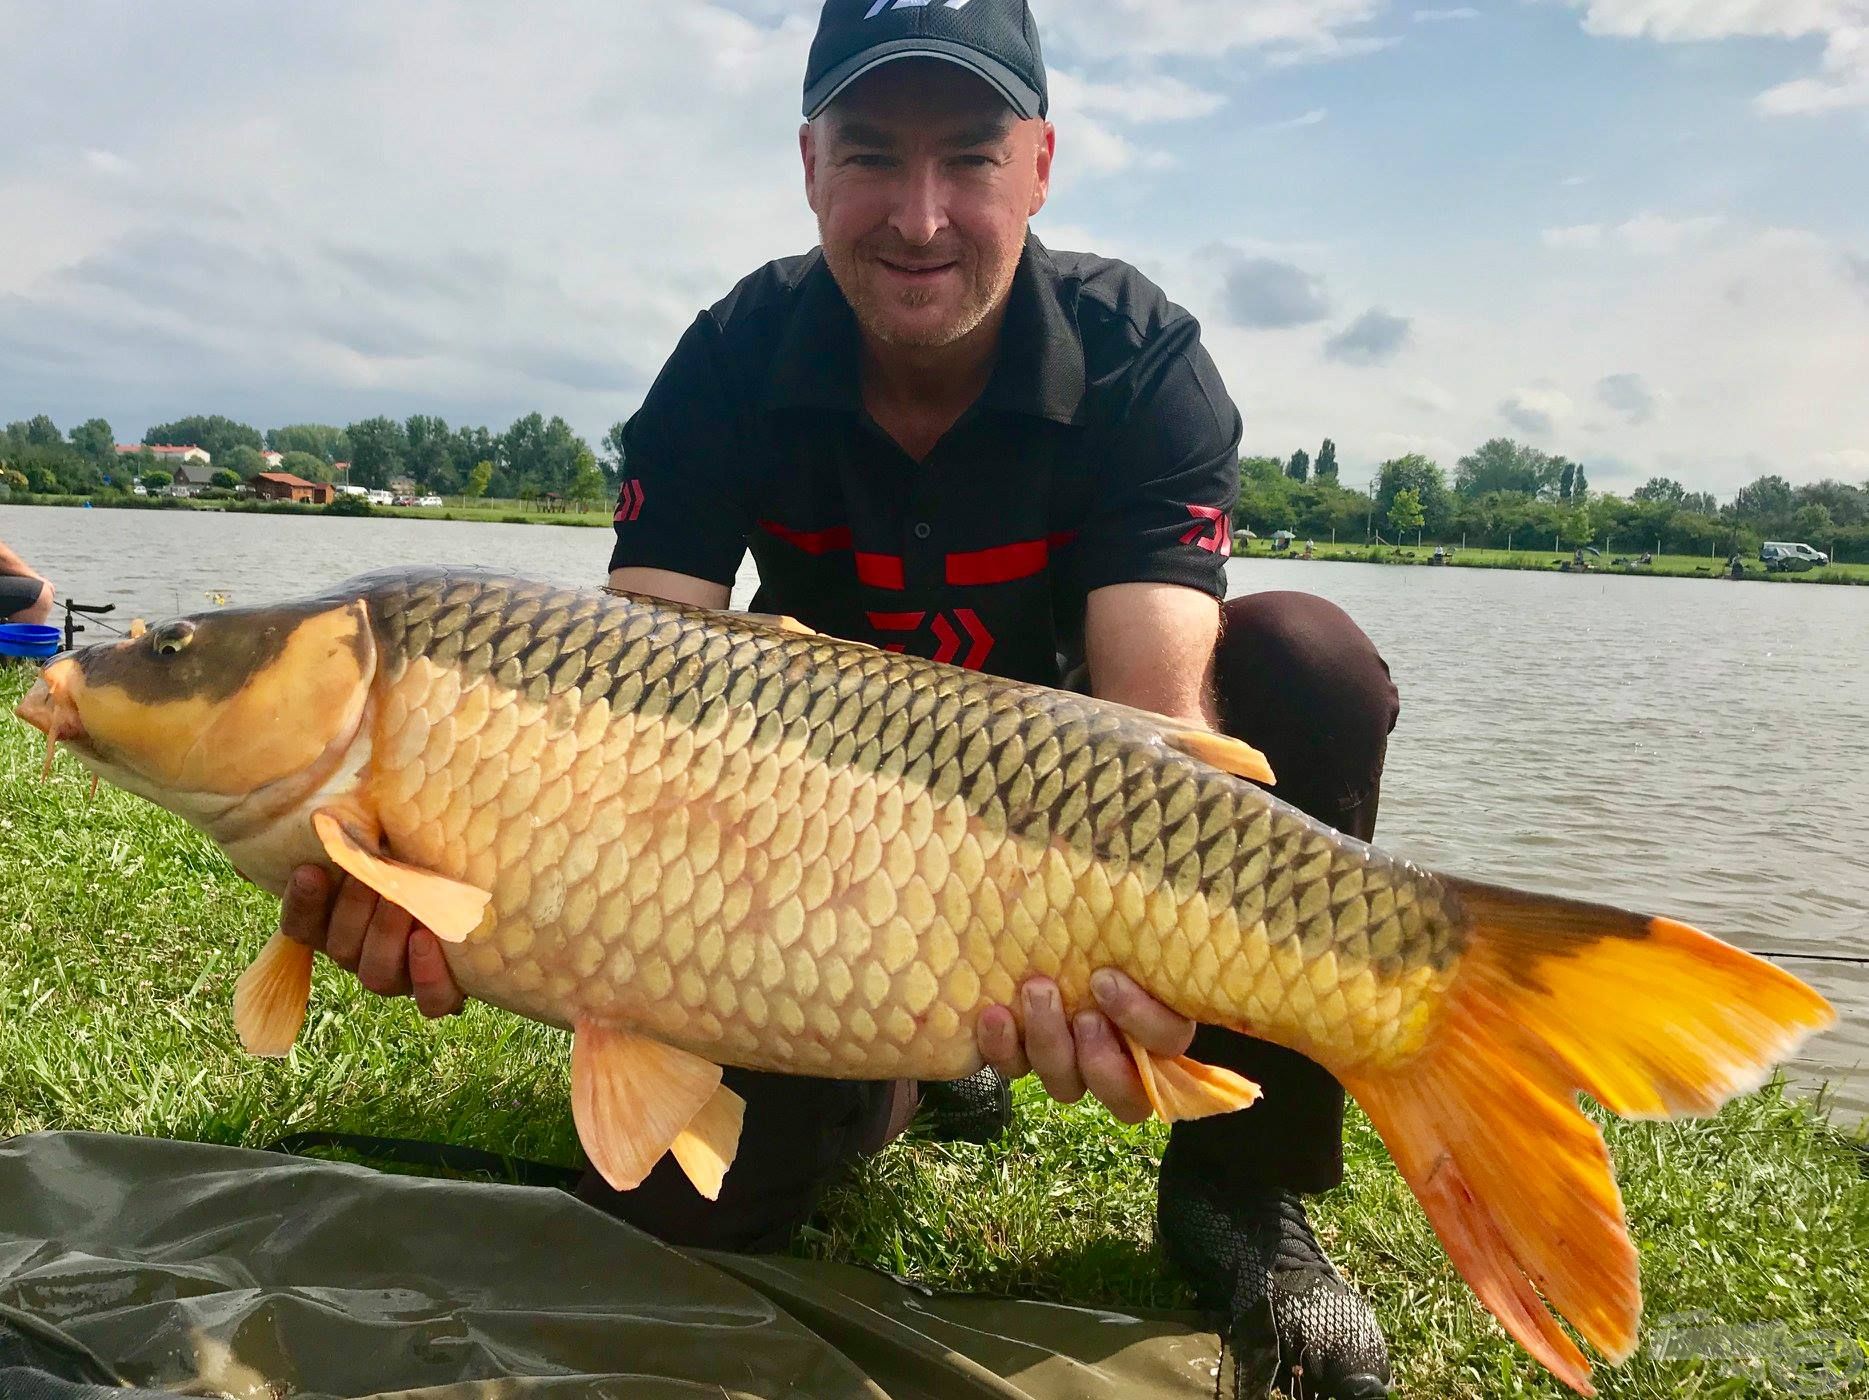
(1541, 561)
(1537, 561)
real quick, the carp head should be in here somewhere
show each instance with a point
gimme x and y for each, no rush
(204, 714)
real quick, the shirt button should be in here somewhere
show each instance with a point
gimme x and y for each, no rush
(923, 530)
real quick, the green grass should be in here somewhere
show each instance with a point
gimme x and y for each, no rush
(122, 931)
(1664, 565)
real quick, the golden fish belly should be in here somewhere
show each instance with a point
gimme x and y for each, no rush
(796, 854)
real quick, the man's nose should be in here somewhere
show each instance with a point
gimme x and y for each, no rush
(921, 206)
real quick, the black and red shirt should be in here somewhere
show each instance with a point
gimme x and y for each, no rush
(1104, 450)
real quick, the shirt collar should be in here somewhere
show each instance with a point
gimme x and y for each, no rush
(1040, 370)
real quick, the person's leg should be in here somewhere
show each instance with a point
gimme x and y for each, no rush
(25, 599)
(799, 1135)
(1300, 681)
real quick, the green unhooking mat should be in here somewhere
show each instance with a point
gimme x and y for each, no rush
(215, 1270)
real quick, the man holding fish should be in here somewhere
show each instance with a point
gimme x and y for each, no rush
(938, 436)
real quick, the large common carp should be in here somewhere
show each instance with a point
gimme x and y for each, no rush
(698, 839)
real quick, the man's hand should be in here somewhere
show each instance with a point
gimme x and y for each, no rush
(1087, 1054)
(363, 933)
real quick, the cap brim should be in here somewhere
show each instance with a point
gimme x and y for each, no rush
(1018, 93)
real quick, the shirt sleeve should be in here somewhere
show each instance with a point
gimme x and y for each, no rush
(683, 502)
(1168, 478)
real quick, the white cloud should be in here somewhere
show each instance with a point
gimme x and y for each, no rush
(1538, 411)
(1426, 395)
(1573, 236)
(1646, 234)
(1150, 98)
(1842, 24)
(1462, 12)
(1310, 118)
(1286, 31)
(1571, 182)
(1850, 463)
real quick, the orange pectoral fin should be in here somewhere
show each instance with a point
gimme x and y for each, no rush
(271, 996)
(1227, 754)
(632, 1098)
(450, 908)
(1181, 1088)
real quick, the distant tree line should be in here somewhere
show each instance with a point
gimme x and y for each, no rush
(1505, 494)
(532, 457)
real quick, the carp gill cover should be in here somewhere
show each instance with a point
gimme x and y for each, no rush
(697, 839)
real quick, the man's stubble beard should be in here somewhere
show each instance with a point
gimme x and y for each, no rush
(872, 310)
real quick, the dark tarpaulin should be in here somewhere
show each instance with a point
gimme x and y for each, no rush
(218, 1270)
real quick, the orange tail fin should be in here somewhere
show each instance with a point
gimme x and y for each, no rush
(1650, 1017)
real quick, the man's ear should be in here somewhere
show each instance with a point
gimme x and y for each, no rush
(1047, 148)
(808, 154)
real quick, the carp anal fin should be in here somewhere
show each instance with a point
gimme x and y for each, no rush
(271, 996)
(633, 1097)
(1181, 1088)
(448, 908)
(1226, 753)
(708, 1145)
(781, 623)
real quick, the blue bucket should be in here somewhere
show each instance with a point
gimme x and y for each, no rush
(29, 639)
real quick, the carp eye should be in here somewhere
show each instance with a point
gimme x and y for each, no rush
(167, 641)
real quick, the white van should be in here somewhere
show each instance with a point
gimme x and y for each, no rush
(1787, 558)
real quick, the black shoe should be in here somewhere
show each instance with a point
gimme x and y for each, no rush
(975, 1109)
(1292, 1322)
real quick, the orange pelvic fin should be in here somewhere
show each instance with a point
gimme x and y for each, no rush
(271, 996)
(632, 1097)
(1181, 1088)
(708, 1145)
(782, 623)
(1225, 753)
(1553, 997)
(449, 908)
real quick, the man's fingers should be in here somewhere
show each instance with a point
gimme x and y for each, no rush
(998, 1037)
(1150, 1024)
(384, 965)
(350, 920)
(435, 992)
(1109, 1073)
(305, 909)
(1048, 1041)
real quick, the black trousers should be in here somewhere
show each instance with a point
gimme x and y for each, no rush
(1301, 682)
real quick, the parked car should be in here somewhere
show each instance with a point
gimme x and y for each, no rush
(1786, 558)
(434, 501)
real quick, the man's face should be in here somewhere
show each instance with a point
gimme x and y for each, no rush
(923, 180)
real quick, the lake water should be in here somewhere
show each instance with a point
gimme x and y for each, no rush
(1682, 746)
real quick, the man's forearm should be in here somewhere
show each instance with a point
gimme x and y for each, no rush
(12, 564)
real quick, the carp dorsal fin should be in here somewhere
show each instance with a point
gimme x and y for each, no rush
(782, 623)
(632, 1097)
(450, 909)
(708, 1145)
(271, 996)
(1224, 752)
(1180, 1088)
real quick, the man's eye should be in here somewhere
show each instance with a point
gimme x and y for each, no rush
(975, 162)
(870, 161)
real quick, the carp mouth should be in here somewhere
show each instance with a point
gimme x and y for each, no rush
(50, 708)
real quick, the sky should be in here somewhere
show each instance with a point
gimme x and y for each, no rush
(1632, 231)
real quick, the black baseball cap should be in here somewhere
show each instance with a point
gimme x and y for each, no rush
(994, 39)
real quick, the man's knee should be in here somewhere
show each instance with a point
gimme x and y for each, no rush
(1299, 679)
(40, 609)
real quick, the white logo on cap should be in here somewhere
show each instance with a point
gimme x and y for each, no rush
(882, 5)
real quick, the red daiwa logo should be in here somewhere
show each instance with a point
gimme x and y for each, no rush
(629, 501)
(1214, 519)
(947, 635)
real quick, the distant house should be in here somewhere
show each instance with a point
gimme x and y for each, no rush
(186, 483)
(283, 486)
(169, 457)
(272, 459)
